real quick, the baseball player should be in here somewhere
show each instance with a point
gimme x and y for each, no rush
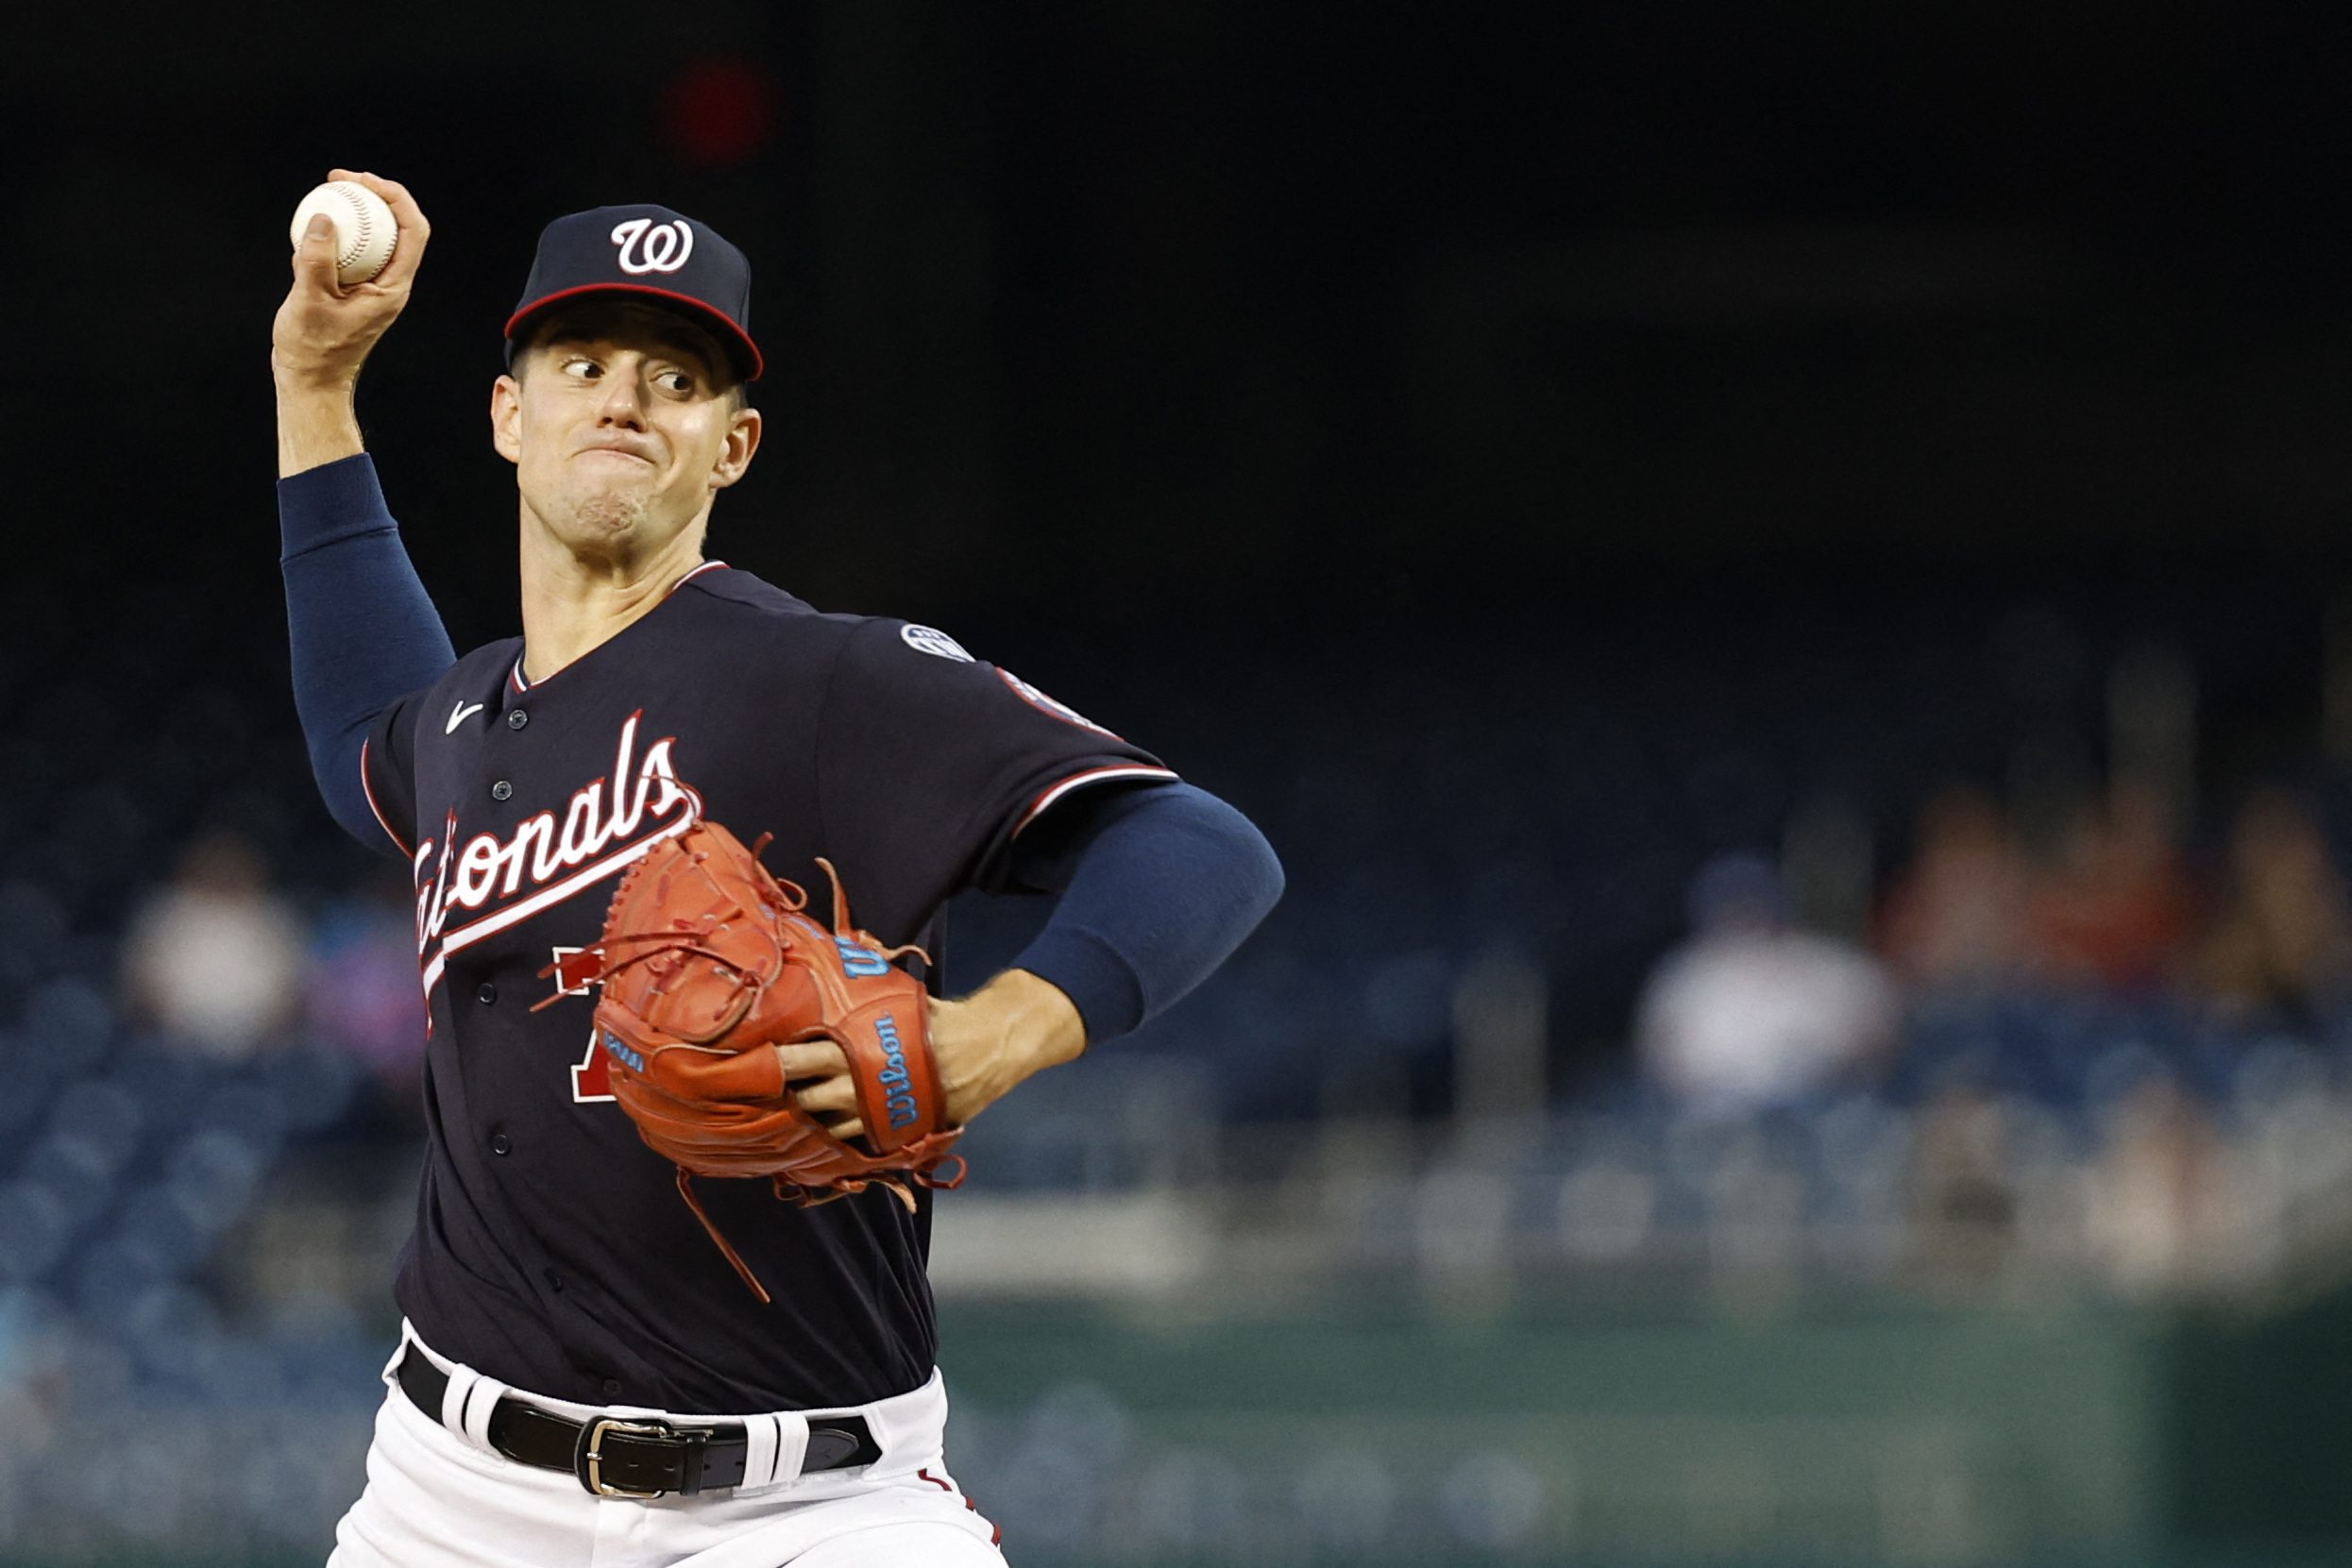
(584, 1377)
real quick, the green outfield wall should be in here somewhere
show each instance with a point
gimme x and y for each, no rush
(1887, 1435)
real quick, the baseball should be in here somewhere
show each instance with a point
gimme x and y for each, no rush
(366, 230)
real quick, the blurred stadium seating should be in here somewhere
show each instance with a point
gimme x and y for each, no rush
(195, 1252)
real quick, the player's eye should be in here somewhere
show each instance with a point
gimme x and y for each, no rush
(676, 383)
(586, 370)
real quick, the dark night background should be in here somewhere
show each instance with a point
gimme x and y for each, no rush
(1398, 415)
(1517, 453)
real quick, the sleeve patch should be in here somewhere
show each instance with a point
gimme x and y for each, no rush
(931, 640)
(1045, 705)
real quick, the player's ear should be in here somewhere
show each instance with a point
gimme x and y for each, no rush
(743, 445)
(506, 418)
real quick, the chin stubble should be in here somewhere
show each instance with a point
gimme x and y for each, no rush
(608, 512)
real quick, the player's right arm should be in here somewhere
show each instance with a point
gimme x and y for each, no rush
(324, 333)
(362, 630)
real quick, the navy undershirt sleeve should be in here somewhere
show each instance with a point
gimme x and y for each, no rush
(1159, 884)
(363, 630)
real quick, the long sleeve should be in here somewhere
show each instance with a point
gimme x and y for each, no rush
(1160, 884)
(363, 630)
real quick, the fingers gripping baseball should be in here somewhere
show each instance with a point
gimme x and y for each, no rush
(324, 329)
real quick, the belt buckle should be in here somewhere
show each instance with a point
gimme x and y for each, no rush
(589, 1464)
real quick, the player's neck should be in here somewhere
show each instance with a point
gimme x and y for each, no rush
(575, 602)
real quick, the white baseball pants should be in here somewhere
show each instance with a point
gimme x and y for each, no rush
(439, 1498)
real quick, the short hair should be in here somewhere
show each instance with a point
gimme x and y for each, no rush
(591, 317)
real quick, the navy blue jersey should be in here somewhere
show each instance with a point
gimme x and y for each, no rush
(551, 1249)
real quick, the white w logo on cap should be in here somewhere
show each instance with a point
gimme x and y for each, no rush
(646, 246)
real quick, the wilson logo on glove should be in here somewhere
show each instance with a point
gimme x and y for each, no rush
(893, 1078)
(707, 964)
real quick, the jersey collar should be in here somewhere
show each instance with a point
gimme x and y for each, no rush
(523, 683)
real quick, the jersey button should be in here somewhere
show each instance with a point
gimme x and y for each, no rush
(516, 719)
(486, 993)
(612, 1388)
(502, 1144)
(501, 791)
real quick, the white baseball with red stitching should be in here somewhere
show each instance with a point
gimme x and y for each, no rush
(366, 232)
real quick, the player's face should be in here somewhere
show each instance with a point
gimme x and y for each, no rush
(621, 433)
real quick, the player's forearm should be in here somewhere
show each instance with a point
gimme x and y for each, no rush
(318, 421)
(363, 632)
(1015, 1026)
(1157, 891)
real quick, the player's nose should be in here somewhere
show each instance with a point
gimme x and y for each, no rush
(622, 403)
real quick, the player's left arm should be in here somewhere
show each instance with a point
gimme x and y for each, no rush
(1159, 884)
(936, 773)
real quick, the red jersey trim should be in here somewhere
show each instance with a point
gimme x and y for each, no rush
(381, 820)
(1091, 776)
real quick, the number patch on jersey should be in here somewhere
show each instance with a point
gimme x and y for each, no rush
(592, 1080)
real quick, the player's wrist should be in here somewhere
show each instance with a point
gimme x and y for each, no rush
(1043, 1027)
(298, 376)
(987, 1045)
(1037, 1027)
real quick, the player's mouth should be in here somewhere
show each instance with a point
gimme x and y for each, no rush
(609, 449)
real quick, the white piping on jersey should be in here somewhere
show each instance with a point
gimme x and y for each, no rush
(546, 898)
(523, 683)
(381, 820)
(1091, 776)
(466, 880)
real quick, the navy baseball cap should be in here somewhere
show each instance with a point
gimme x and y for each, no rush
(651, 251)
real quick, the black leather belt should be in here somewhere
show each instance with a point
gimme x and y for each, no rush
(635, 1455)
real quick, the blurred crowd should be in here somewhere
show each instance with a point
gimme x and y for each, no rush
(219, 964)
(2074, 1015)
(164, 1125)
(1755, 1007)
(2091, 1056)
(1584, 978)
(205, 1171)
